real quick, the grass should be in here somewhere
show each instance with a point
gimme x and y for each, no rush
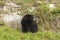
(7, 33)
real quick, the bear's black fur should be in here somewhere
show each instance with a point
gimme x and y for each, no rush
(28, 24)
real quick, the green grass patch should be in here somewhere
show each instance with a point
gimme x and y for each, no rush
(7, 33)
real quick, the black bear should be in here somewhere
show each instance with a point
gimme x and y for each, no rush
(28, 24)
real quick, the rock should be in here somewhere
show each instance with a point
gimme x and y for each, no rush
(52, 6)
(31, 9)
(13, 20)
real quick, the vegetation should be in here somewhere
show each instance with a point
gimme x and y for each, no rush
(7, 33)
